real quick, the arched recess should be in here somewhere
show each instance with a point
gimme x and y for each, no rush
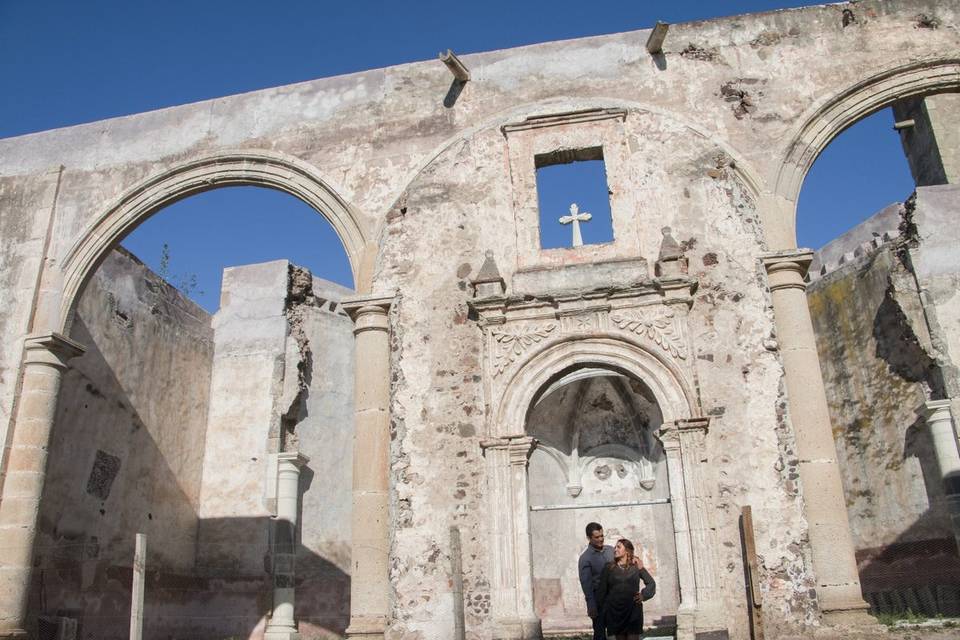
(827, 120)
(230, 168)
(558, 359)
(509, 448)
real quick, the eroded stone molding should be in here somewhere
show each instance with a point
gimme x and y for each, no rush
(651, 316)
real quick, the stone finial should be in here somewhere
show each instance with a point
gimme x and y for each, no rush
(488, 281)
(671, 262)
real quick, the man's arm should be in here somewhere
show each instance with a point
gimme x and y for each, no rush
(586, 584)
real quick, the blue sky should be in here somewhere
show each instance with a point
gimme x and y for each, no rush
(68, 62)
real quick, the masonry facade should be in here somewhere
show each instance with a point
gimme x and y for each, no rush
(695, 315)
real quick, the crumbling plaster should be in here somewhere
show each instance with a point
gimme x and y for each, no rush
(718, 145)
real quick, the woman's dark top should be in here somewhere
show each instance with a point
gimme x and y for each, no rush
(615, 594)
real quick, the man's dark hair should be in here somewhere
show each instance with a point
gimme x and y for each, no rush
(593, 526)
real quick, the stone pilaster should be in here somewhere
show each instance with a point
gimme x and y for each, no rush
(512, 587)
(685, 442)
(369, 579)
(939, 421)
(45, 359)
(669, 437)
(838, 583)
(282, 625)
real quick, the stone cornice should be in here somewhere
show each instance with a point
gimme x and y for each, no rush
(494, 309)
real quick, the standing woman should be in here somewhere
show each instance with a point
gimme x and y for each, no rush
(619, 597)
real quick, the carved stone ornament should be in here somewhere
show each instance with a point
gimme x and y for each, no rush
(661, 325)
(510, 345)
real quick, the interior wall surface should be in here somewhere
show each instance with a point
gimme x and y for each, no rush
(281, 380)
(880, 365)
(699, 134)
(127, 448)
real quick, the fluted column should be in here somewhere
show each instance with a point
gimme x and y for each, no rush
(45, 359)
(512, 590)
(939, 421)
(834, 563)
(369, 579)
(282, 624)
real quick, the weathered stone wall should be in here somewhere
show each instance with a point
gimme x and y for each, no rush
(931, 143)
(127, 446)
(282, 380)
(694, 138)
(879, 367)
(439, 411)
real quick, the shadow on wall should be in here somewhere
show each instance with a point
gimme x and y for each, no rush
(919, 571)
(111, 475)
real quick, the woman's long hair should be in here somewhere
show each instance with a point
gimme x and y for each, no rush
(628, 547)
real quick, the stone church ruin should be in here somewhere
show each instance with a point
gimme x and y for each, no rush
(416, 458)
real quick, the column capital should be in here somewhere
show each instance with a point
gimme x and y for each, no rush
(787, 269)
(671, 430)
(935, 410)
(52, 349)
(368, 312)
(518, 447)
(294, 458)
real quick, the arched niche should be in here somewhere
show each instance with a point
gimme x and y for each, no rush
(597, 458)
(249, 167)
(680, 435)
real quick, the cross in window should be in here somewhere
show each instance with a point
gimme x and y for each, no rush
(575, 217)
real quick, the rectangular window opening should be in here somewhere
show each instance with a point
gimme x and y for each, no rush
(573, 198)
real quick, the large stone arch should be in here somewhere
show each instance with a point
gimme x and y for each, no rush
(826, 120)
(228, 168)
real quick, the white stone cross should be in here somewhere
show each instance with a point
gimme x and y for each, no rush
(575, 217)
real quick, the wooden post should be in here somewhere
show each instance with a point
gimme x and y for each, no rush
(136, 603)
(754, 597)
(456, 569)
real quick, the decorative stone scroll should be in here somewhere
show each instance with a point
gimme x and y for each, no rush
(660, 324)
(510, 345)
(516, 327)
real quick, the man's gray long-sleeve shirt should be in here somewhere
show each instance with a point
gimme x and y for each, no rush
(591, 564)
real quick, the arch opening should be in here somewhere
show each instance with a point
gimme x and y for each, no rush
(175, 422)
(872, 295)
(597, 459)
(246, 168)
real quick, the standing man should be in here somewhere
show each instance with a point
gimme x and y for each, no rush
(592, 560)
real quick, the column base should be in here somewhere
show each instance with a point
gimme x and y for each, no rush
(518, 629)
(367, 628)
(686, 622)
(13, 634)
(855, 619)
(281, 633)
